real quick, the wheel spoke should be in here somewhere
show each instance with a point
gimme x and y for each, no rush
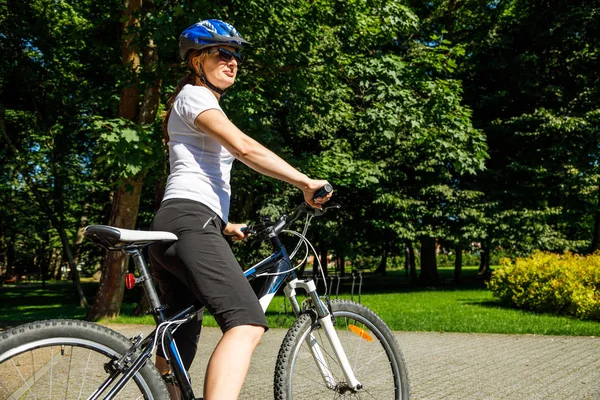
(56, 366)
(370, 348)
(51, 359)
(84, 374)
(69, 374)
(26, 388)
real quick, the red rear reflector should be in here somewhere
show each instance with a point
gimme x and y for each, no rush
(129, 281)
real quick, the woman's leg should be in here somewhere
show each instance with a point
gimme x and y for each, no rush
(203, 261)
(229, 362)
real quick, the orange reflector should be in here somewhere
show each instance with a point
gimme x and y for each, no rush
(360, 332)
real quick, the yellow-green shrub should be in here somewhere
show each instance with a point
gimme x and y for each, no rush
(546, 282)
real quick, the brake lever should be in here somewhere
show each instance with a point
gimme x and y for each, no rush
(318, 212)
(246, 230)
(331, 206)
(257, 232)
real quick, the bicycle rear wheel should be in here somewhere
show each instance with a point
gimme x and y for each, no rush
(64, 359)
(370, 347)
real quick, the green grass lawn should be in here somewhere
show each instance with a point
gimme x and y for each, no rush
(450, 308)
(468, 311)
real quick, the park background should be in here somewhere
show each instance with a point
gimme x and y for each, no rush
(455, 133)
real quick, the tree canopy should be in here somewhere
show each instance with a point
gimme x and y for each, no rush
(442, 123)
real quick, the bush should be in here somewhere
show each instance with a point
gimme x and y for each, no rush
(566, 284)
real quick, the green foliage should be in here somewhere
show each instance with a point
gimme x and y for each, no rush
(465, 121)
(345, 94)
(566, 284)
(530, 76)
(125, 147)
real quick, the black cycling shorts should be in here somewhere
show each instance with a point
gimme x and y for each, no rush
(200, 269)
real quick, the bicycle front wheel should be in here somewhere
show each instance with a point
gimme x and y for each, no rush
(64, 359)
(369, 345)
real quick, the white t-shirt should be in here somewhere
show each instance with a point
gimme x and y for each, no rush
(200, 166)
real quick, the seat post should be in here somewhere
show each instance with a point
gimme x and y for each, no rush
(145, 277)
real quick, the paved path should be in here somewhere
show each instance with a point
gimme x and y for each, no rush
(451, 365)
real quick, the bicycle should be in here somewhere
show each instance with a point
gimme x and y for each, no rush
(334, 349)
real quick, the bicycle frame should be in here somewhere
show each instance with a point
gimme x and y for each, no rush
(125, 363)
(279, 266)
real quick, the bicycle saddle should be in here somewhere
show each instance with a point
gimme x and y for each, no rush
(110, 236)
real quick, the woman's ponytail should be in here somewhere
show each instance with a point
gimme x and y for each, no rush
(189, 79)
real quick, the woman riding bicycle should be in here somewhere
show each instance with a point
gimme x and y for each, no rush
(200, 267)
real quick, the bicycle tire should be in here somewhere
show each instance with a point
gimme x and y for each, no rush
(297, 376)
(64, 359)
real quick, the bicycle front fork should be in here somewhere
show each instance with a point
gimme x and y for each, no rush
(326, 322)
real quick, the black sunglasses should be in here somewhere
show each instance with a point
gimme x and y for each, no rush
(225, 55)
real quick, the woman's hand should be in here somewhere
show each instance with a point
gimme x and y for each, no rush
(235, 230)
(309, 191)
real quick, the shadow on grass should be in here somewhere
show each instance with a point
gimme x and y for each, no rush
(498, 305)
(29, 302)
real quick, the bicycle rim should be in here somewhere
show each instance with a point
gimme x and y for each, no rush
(370, 349)
(61, 368)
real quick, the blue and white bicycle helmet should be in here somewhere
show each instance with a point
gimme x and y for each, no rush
(209, 33)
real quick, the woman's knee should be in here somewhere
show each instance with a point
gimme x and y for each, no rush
(250, 333)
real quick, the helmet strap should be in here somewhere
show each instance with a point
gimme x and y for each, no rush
(211, 86)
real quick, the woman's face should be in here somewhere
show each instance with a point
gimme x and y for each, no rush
(219, 72)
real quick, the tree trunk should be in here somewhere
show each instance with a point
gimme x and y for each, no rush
(73, 267)
(410, 263)
(429, 272)
(10, 252)
(596, 238)
(381, 269)
(302, 268)
(147, 115)
(46, 259)
(128, 106)
(323, 260)
(112, 282)
(458, 264)
(341, 263)
(127, 198)
(151, 97)
(484, 261)
(79, 234)
(55, 264)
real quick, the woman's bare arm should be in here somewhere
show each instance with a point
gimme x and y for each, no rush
(215, 124)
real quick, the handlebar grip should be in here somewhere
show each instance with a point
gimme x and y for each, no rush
(324, 191)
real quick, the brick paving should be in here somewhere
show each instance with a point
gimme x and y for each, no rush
(451, 365)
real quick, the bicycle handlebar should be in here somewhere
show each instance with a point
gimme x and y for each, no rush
(268, 228)
(324, 191)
